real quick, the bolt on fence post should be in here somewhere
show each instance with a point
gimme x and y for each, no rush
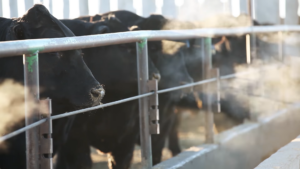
(145, 137)
(207, 68)
(31, 83)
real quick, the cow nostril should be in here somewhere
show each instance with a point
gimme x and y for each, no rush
(98, 92)
(156, 76)
(95, 92)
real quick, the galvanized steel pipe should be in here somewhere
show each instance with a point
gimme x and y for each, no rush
(207, 73)
(31, 87)
(21, 47)
(145, 137)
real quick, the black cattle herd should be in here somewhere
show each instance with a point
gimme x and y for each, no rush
(78, 78)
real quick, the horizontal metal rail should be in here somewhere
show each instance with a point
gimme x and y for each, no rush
(13, 48)
(19, 131)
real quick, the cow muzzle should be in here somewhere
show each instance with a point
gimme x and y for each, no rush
(97, 93)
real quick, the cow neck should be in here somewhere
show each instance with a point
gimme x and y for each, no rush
(5, 24)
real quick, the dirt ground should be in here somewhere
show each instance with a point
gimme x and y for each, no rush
(191, 133)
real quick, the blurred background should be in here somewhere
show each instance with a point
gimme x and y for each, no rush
(265, 10)
(278, 87)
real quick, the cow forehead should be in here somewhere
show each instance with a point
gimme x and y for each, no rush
(46, 32)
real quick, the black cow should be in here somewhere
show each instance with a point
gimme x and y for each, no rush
(64, 77)
(227, 52)
(170, 61)
(119, 140)
(114, 129)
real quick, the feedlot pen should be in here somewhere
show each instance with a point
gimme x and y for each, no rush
(266, 97)
(274, 122)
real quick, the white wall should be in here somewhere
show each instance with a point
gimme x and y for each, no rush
(291, 12)
(265, 10)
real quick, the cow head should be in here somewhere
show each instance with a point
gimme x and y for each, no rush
(229, 51)
(119, 60)
(64, 75)
(172, 68)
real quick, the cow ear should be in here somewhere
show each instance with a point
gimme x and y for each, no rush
(39, 16)
(99, 30)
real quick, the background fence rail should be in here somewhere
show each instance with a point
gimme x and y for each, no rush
(14, 48)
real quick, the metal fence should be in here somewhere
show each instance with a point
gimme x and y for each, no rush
(31, 48)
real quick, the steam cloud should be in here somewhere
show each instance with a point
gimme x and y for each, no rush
(11, 107)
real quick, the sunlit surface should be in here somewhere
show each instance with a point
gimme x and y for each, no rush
(46, 3)
(248, 54)
(179, 3)
(113, 5)
(253, 9)
(282, 8)
(21, 7)
(195, 149)
(298, 8)
(58, 9)
(94, 7)
(159, 4)
(296, 140)
(74, 9)
(36, 1)
(138, 6)
(201, 1)
(5, 8)
(235, 8)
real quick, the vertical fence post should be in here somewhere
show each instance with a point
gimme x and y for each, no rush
(207, 68)
(250, 48)
(282, 14)
(45, 135)
(252, 40)
(1, 13)
(31, 83)
(145, 137)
